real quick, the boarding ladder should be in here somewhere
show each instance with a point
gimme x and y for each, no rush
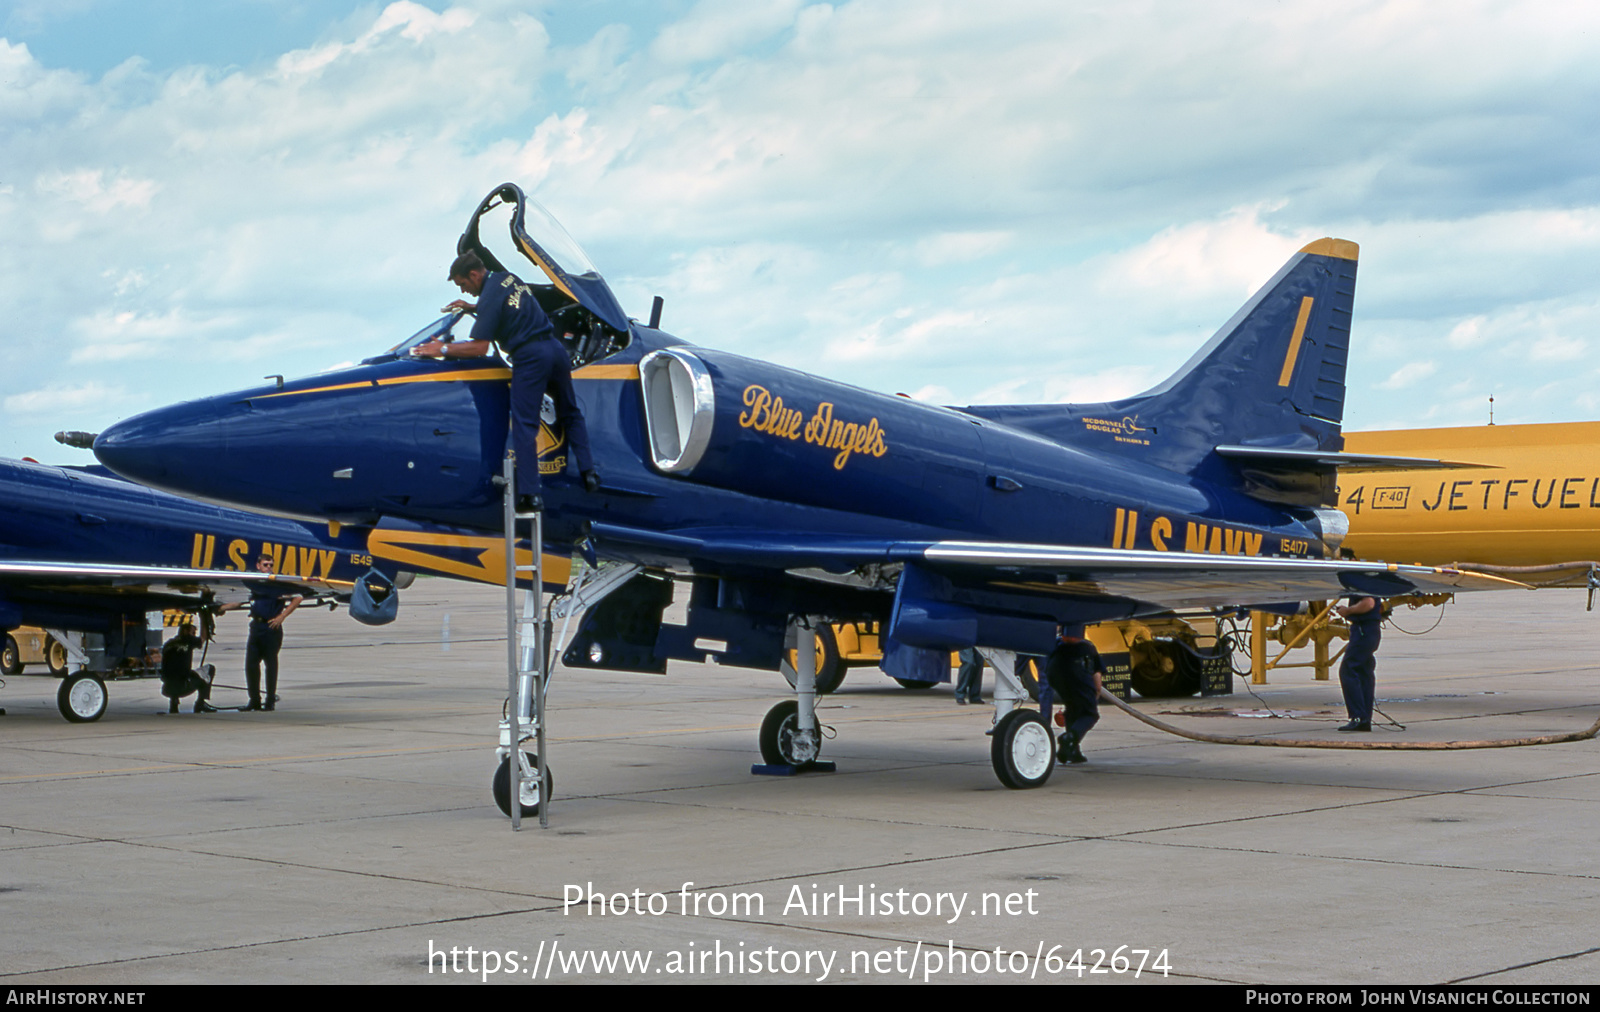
(527, 661)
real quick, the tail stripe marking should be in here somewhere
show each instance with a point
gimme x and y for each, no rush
(1294, 342)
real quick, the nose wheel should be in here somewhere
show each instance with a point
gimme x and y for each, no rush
(1023, 750)
(533, 794)
(783, 743)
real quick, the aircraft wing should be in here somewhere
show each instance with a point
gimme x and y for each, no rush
(1194, 580)
(1166, 580)
(158, 581)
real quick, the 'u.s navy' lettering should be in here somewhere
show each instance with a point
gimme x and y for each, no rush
(306, 562)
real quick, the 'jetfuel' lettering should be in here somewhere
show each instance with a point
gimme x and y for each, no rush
(1453, 495)
(1566, 490)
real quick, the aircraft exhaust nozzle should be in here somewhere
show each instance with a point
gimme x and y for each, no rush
(1331, 527)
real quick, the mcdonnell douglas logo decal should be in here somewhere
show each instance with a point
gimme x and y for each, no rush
(770, 415)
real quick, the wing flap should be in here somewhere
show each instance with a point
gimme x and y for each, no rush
(1191, 580)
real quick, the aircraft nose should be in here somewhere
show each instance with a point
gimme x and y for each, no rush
(166, 448)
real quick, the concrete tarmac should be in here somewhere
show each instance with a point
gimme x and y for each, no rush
(351, 833)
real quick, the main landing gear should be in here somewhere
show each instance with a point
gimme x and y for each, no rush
(1023, 749)
(82, 697)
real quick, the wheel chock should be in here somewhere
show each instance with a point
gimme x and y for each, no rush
(785, 770)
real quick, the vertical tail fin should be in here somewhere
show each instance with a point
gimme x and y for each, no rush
(1271, 377)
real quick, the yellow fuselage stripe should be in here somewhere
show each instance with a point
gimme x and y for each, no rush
(588, 372)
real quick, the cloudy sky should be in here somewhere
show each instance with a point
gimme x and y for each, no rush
(1008, 201)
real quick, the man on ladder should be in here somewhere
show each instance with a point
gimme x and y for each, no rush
(509, 317)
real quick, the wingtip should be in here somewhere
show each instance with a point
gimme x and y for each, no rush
(1344, 249)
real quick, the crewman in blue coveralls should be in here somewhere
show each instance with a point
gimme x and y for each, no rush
(510, 317)
(1075, 673)
(1358, 672)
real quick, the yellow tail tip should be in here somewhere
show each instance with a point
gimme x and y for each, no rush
(1344, 249)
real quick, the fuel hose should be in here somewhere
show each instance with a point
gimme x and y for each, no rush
(1373, 746)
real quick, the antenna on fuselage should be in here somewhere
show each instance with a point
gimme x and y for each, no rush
(655, 313)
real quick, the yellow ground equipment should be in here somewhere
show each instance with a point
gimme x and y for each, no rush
(28, 645)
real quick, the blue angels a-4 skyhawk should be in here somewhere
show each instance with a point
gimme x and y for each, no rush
(781, 496)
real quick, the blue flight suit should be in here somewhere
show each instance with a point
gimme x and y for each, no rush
(1358, 672)
(1070, 670)
(510, 316)
(969, 677)
(178, 677)
(263, 644)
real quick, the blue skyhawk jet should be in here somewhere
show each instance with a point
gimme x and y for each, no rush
(86, 552)
(784, 497)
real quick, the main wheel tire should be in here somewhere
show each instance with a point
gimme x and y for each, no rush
(532, 794)
(82, 697)
(915, 686)
(779, 738)
(55, 655)
(10, 657)
(1172, 673)
(830, 669)
(1023, 750)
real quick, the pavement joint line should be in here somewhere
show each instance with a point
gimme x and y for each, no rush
(74, 839)
(366, 753)
(280, 863)
(1392, 862)
(1524, 966)
(744, 810)
(258, 944)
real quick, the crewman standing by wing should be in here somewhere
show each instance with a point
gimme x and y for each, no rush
(1358, 672)
(509, 316)
(269, 606)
